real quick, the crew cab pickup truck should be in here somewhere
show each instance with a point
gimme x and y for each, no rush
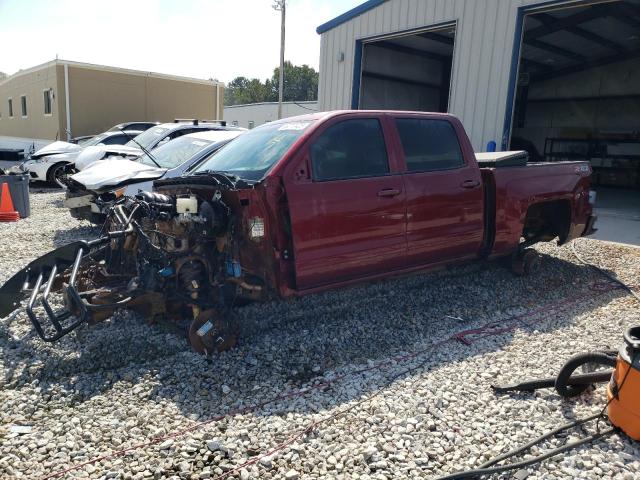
(306, 204)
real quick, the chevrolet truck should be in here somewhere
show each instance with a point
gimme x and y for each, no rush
(302, 205)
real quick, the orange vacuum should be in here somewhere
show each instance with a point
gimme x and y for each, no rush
(623, 392)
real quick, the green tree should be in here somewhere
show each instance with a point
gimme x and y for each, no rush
(300, 84)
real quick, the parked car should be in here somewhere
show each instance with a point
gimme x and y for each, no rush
(142, 126)
(92, 192)
(48, 164)
(148, 140)
(139, 126)
(307, 204)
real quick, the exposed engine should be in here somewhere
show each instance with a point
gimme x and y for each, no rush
(170, 257)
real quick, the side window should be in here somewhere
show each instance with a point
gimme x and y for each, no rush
(183, 131)
(350, 149)
(429, 145)
(115, 140)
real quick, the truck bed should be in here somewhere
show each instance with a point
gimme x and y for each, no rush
(510, 191)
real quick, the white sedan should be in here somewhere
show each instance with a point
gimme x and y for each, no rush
(48, 163)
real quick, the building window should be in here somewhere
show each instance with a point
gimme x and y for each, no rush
(10, 100)
(47, 101)
(251, 124)
(23, 105)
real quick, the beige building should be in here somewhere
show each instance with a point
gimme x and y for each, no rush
(62, 99)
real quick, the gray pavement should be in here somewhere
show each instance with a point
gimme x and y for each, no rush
(618, 213)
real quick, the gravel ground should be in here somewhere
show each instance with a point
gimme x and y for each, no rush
(123, 383)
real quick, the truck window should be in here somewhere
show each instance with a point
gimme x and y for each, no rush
(350, 149)
(429, 144)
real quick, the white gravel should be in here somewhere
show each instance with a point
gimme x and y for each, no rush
(123, 383)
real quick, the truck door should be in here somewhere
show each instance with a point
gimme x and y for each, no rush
(445, 201)
(348, 217)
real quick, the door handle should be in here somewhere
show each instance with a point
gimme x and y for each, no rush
(470, 184)
(389, 192)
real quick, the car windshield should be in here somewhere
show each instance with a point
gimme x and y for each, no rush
(252, 154)
(148, 138)
(176, 152)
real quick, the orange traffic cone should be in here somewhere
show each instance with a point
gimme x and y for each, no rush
(7, 212)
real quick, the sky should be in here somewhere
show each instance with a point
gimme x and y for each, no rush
(219, 39)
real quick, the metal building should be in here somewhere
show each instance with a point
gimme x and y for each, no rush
(559, 78)
(61, 98)
(249, 115)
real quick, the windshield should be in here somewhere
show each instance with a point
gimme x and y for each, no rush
(176, 152)
(148, 138)
(252, 154)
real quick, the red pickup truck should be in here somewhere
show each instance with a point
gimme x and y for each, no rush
(305, 204)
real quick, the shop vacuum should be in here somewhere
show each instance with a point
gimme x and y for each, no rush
(622, 409)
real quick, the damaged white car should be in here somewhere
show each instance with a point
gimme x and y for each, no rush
(146, 141)
(92, 191)
(48, 164)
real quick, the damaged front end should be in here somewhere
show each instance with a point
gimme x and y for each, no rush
(169, 255)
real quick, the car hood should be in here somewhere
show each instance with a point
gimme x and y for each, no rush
(114, 173)
(94, 153)
(55, 148)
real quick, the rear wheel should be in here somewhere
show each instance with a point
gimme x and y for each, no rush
(55, 174)
(525, 263)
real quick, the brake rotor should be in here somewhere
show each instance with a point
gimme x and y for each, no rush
(209, 333)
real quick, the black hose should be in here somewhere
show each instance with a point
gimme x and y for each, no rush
(562, 385)
(480, 472)
(534, 442)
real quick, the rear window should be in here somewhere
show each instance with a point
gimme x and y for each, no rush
(148, 138)
(350, 149)
(176, 152)
(429, 145)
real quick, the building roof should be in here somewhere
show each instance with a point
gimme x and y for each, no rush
(303, 102)
(91, 66)
(346, 16)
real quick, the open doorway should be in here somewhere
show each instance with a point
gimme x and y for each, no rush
(578, 92)
(408, 71)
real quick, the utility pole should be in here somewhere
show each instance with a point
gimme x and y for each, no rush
(281, 6)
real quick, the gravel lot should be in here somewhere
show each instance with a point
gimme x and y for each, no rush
(124, 383)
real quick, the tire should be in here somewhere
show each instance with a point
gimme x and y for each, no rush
(55, 173)
(526, 263)
(575, 362)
